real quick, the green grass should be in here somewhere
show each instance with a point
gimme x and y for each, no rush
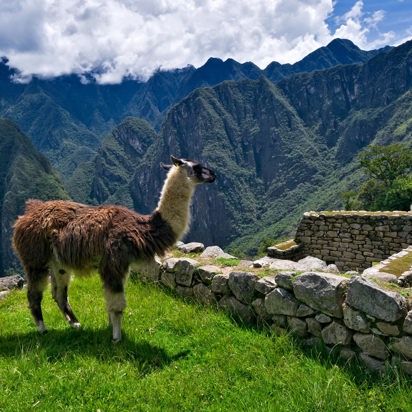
(399, 265)
(227, 261)
(175, 356)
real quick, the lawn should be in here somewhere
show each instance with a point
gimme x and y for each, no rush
(176, 356)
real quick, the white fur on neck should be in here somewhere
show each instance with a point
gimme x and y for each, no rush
(174, 203)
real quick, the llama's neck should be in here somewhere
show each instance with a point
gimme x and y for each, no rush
(174, 203)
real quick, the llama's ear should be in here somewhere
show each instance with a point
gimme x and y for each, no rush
(176, 161)
(166, 167)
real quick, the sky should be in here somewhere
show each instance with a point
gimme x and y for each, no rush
(119, 38)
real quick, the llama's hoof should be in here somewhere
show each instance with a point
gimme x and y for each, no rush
(116, 341)
(41, 328)
(76, 325)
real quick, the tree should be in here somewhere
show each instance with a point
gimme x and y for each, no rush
(390, 186)
(386, 163)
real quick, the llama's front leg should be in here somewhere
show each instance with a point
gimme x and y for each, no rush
(116, 303)
(60, 280)
(37, 283)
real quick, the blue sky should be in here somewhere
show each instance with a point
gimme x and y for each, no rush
(117, 38)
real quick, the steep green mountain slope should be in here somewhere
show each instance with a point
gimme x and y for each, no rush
(115, 164)
(24, 174)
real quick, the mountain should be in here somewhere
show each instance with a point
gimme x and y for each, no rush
(67, 117)
(279, 149)
(25, 174)
(337, 52)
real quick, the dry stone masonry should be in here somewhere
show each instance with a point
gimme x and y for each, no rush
(350, 314)
(351, 240)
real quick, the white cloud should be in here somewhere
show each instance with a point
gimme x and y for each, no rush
(117, 38)
(355, 25)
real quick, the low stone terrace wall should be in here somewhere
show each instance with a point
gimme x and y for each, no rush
(351, 315)
(353, 240)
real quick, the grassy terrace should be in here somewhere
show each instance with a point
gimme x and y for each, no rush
(176, 356)
(359, 213)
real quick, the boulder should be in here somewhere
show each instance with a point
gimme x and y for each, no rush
(215, 252)
(310, 263)
(322, 291)
(405, 280)
(281, 264)
(314, 327)
(11, 282)
(375, 301)
(373, 364)
(192, 247)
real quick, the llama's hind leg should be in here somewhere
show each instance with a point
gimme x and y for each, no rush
(116, 303)
(37, 283)
(60, 280)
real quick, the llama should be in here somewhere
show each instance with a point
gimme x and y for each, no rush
(63, 237)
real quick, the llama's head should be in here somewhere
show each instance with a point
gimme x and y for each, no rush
(195, 171)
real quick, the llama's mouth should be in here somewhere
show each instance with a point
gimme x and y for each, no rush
(211, 178)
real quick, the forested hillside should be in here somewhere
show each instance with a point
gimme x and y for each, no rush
(24, 174)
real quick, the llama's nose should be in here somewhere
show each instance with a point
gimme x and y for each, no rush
(212, 177)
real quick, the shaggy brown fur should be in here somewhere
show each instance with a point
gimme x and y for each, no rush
(104, 238)
(66, 237)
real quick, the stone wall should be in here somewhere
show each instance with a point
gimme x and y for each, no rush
(352, 240)
(351, 315)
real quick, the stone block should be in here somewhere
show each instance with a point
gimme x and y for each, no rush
(285, 279)
(220, 284)
(336, 334)
(265, 285)
(184, 269)
(207, 273)
(368, 297)
(281, 302)
(314, 327)
(403, 346)
(372, 345)
(297, 326)
(242, 285)
(355, 320)
(260, 310)
(203, 294)
(236, 308)
(321, 291)
(407, 323)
